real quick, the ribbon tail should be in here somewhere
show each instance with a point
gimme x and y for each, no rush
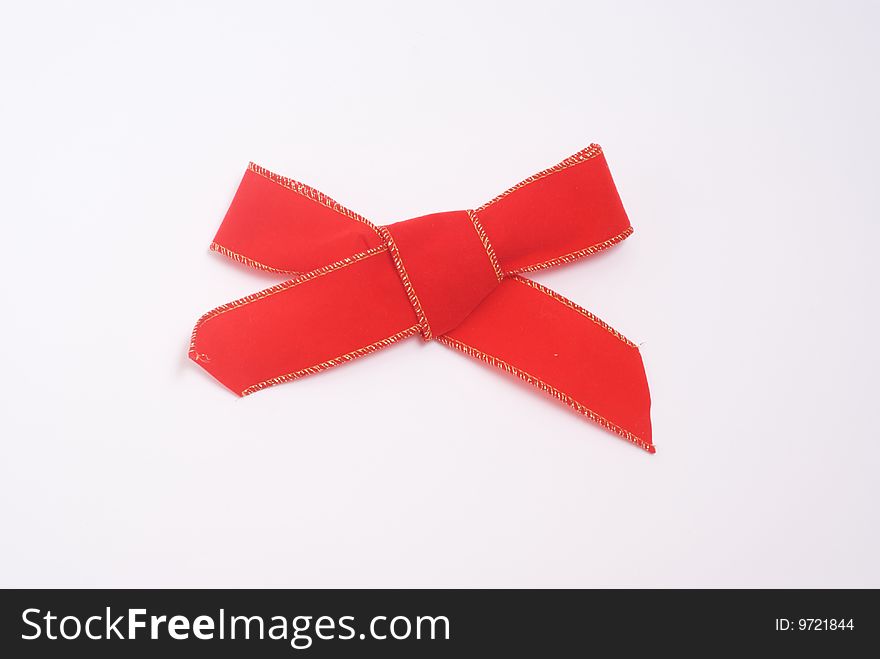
(280, 225)
(550, 342)
(325, 318)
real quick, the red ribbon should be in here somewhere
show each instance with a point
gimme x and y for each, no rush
(355, 287)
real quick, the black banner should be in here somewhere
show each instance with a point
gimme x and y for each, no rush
(429, 623)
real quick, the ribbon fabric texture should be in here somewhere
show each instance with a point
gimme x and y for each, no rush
(354, 287)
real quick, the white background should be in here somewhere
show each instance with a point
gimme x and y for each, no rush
(743, 138)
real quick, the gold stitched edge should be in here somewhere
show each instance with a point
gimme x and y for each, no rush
(484, 238)
(574, 256)
(310, 193)
(404, 278)
(546, 388)
(272, 290)
(244, 260)
(575, 307)
(336, 361)
(581, 156)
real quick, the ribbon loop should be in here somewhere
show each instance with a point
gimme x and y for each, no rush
(280, 225)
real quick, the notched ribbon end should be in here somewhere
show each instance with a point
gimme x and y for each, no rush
(645, 443)
(204, 360)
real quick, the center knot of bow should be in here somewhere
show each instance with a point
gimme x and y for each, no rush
(447, 265)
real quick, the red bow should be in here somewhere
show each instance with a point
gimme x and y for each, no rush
(356, 287)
